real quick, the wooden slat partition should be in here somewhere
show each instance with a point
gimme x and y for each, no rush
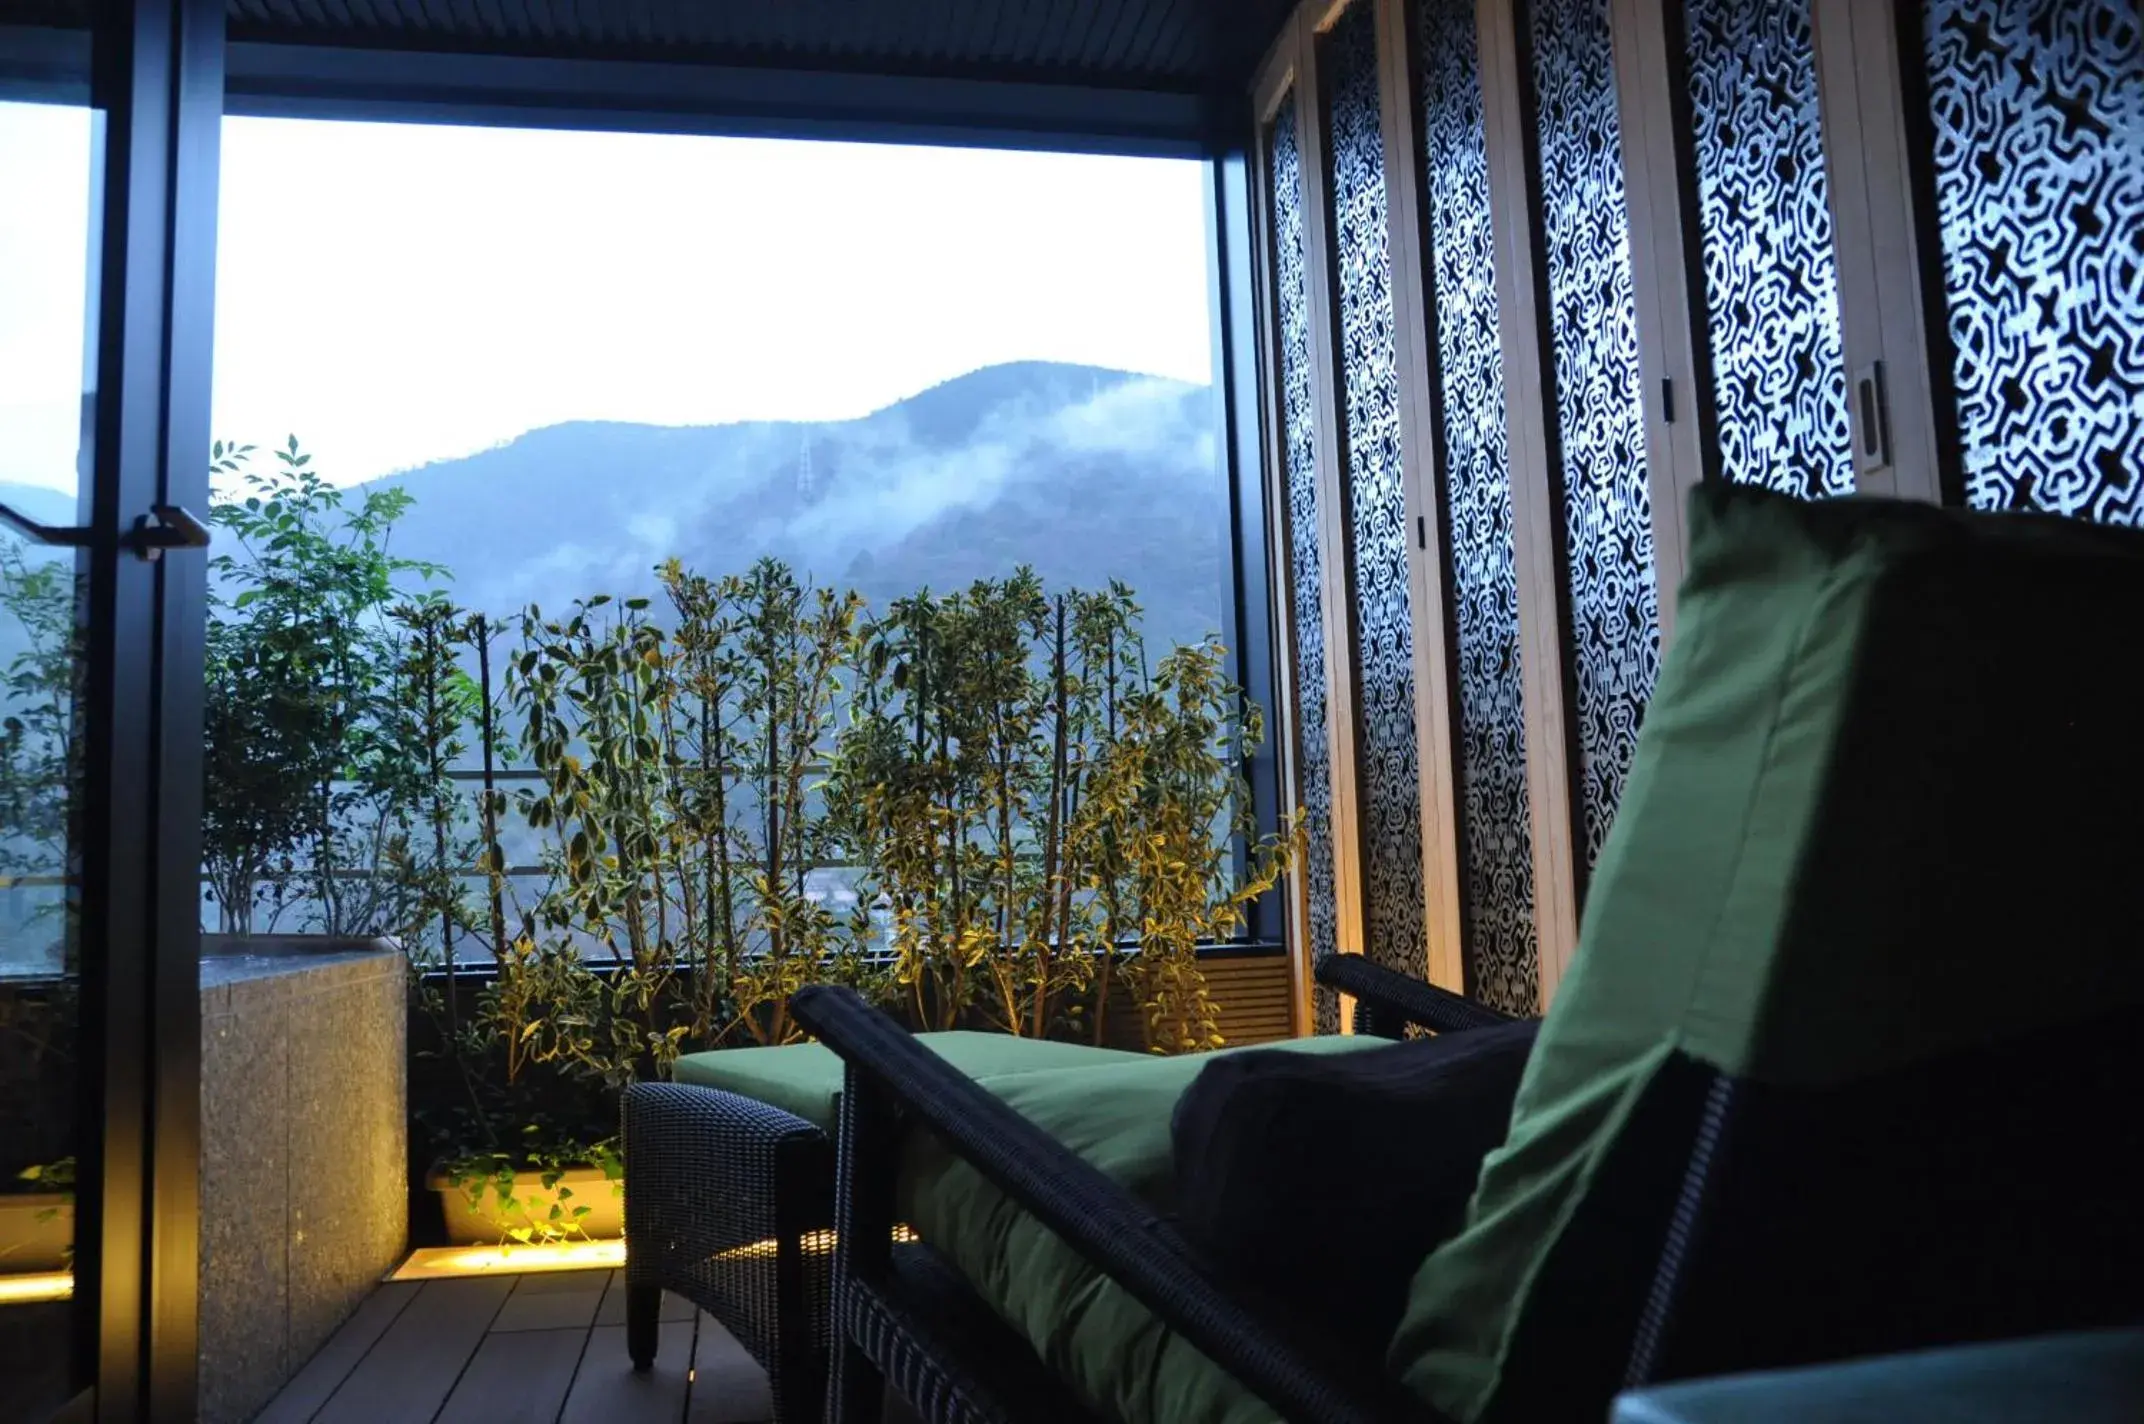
(1255, 992)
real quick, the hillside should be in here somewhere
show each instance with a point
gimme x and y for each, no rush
(1086, 474)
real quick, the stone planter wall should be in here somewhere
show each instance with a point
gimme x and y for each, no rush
(304, 1152)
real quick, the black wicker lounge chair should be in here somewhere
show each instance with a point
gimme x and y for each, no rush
(1843, 1065)
(909, 1320)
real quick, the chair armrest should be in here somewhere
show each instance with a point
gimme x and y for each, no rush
(708, 1171)
(1392, 1001)
(1106, 1225)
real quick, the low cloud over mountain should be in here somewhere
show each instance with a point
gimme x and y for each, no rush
(1086, 474)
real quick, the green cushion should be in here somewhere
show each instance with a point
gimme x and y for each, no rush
(1818, 871)
(805, 1078)
(1113, 1353)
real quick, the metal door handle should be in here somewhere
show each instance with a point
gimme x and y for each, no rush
(165, 526)
(37, 533)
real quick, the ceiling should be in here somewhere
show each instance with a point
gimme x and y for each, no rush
(1183, 46)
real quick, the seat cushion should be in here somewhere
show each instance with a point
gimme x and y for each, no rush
(805, 1078)
(1867, 828)
(1111, 1351)
(1323, 1181)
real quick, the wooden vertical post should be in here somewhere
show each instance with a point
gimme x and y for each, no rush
(1883, 310)
(1528, 364)
(1343, 714)
(1414, 340)
(1675, 388)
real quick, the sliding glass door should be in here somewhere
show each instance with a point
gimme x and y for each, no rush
(51, 157)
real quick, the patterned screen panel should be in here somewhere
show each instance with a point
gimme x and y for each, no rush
(1284, 164)
(1387, 756)
(1608, 530)
(2038, 109)
(1771, 276)
(1496, 837)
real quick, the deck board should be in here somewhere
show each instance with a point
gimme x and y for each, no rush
(409, 1373)
(320, 1376)
(543, 1348)
(612, 1311)
(606, 1390)
(728, 1386)
(516, 1377)
(564, 1300)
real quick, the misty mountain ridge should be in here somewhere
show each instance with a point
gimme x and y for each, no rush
(1084, 473)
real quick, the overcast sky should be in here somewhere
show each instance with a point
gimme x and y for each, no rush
(394, 294)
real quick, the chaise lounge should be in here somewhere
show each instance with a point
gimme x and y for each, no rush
(1841, 1067)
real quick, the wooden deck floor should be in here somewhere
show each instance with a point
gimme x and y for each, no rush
(534, 1349)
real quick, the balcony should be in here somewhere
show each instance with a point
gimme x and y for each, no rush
(858, 600)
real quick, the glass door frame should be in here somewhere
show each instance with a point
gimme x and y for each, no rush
(157, 83)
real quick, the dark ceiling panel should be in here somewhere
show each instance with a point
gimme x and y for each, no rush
(1206, 46)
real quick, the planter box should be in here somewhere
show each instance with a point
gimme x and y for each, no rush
(36, 1228)
(484, 1223)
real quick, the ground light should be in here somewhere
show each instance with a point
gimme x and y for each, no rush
(435, 1263)
(37, 1287)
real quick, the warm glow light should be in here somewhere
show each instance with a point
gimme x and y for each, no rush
(32, 1289)
(433, 1263)
(816, 1243)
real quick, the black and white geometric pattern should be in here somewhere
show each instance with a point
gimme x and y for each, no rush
(2038, 112)
(1481, 579)
(1387, 759)
(1313, 757)
(1771, 274)
(1608, 528)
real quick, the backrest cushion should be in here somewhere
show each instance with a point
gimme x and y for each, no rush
(1282, 1157)
(1884, 809)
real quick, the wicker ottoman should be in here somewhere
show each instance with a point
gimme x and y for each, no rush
(729, 1175)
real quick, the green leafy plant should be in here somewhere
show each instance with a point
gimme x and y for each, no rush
(39, 761)
(794, 646)
(1177, 809)
(40, 767)
(495, 1186)
(593, 690)
(1034, 810)
(56, 1177)
(1029, 818)
(309, 790)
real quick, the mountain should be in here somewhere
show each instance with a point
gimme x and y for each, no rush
(1086, 474)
